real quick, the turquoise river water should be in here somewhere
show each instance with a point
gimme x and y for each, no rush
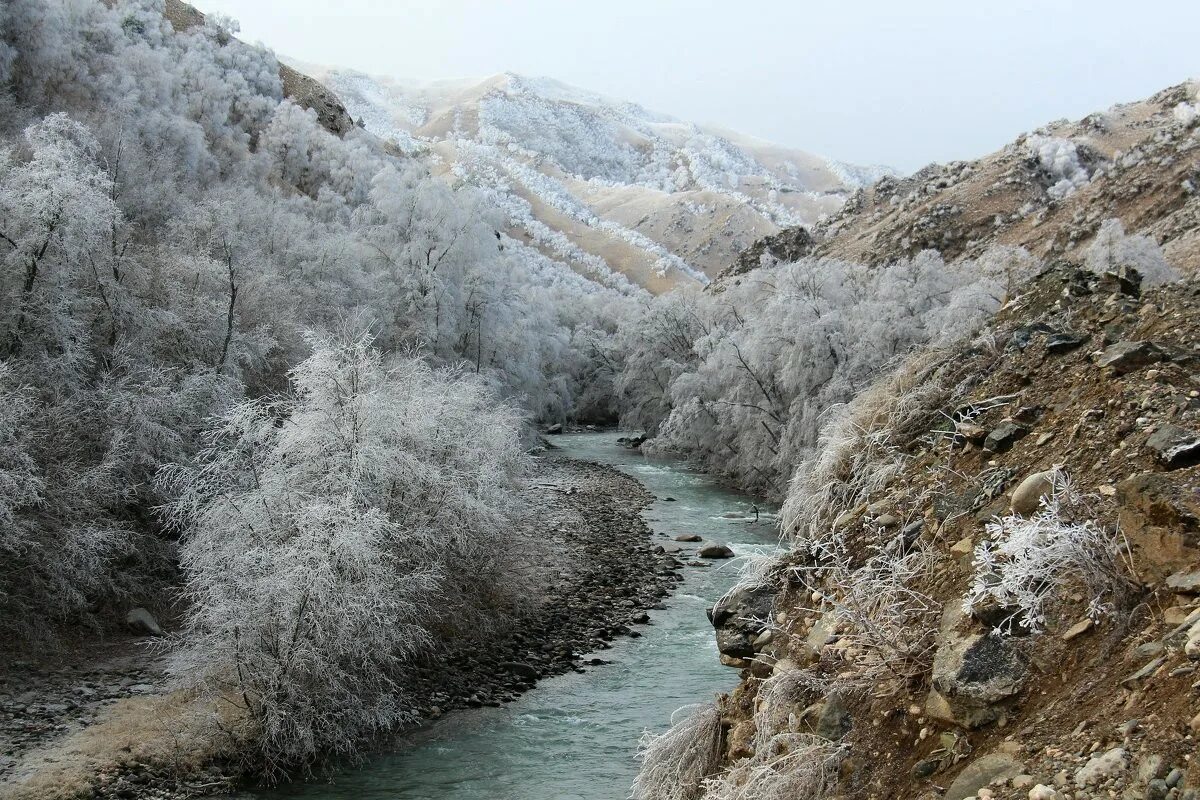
(574, 737)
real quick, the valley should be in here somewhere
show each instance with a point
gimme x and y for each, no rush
(492, 437)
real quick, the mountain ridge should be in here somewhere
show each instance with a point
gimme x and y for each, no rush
(615, 186)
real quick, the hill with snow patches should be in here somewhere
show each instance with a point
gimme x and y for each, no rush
(598, 183)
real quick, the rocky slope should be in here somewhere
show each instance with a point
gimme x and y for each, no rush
(599, 183)
(994, 586)
(1048, 191)
(861, 640)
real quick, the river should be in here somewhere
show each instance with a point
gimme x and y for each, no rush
(574, 737)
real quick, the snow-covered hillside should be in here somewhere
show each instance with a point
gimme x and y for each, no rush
(599, 183)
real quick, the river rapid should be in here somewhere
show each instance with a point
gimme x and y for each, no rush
(574, 737)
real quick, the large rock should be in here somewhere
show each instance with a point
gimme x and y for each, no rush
(790, 244)
(973, 674)
(1003, 437)
(1098, 769)
(834, 720)
(1187, 582)
(1160, 515)
(139, 620)
(520, 669)
(1175, 446)
(1063, 342)
(980, 773)
(1027, 497)
(739, 617)
(1124, 357)
(824, 629)
(714, 551)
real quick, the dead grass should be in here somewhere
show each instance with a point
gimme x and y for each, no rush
(179, 733)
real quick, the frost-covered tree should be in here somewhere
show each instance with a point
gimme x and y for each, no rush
(169, 227)
(1114, 251)
(739, 380)
(330, 536)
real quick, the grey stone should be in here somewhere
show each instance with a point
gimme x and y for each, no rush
(1125, 357)
(822, 631)
(975, 673)
(980, 773)
(1175, 446)
(689, 537)
(714, 551)
(139, 620)
(1003, 437)
(1097, 769)
(1187, 582)
(739, 617)
(517, 668)
(834, 721)
(1058, 343)
(1027, 497)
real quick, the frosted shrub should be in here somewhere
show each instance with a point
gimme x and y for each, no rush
(676, 762)
(169, 226)
(1060, 159)
(1186, 113)
(1026, 564)
(859, 449)
(888, 623)
(779, 698)
(791, 766)
(328, 534)
(740, 380)
(59, 536)
(1113, 251)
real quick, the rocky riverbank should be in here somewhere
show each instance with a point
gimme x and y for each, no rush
(89, 724)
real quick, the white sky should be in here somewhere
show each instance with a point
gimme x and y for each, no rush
(900, 82)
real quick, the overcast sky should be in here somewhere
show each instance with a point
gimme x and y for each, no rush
(899, 82)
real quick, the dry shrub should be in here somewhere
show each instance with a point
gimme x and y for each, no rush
(860, 449)
(178, 732)
(675, 763)
(791, 766)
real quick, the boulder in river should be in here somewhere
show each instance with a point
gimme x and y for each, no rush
(689, 537)
(740, 617)
(715, 551)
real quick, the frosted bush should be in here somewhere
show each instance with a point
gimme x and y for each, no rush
(742, 381)
(1060, 159)
(1026, 564)
(791, 766)
(1186, 113)
(1112, 251)
(676, 762)
(888, 623)
(859, 450)
(329, 536)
